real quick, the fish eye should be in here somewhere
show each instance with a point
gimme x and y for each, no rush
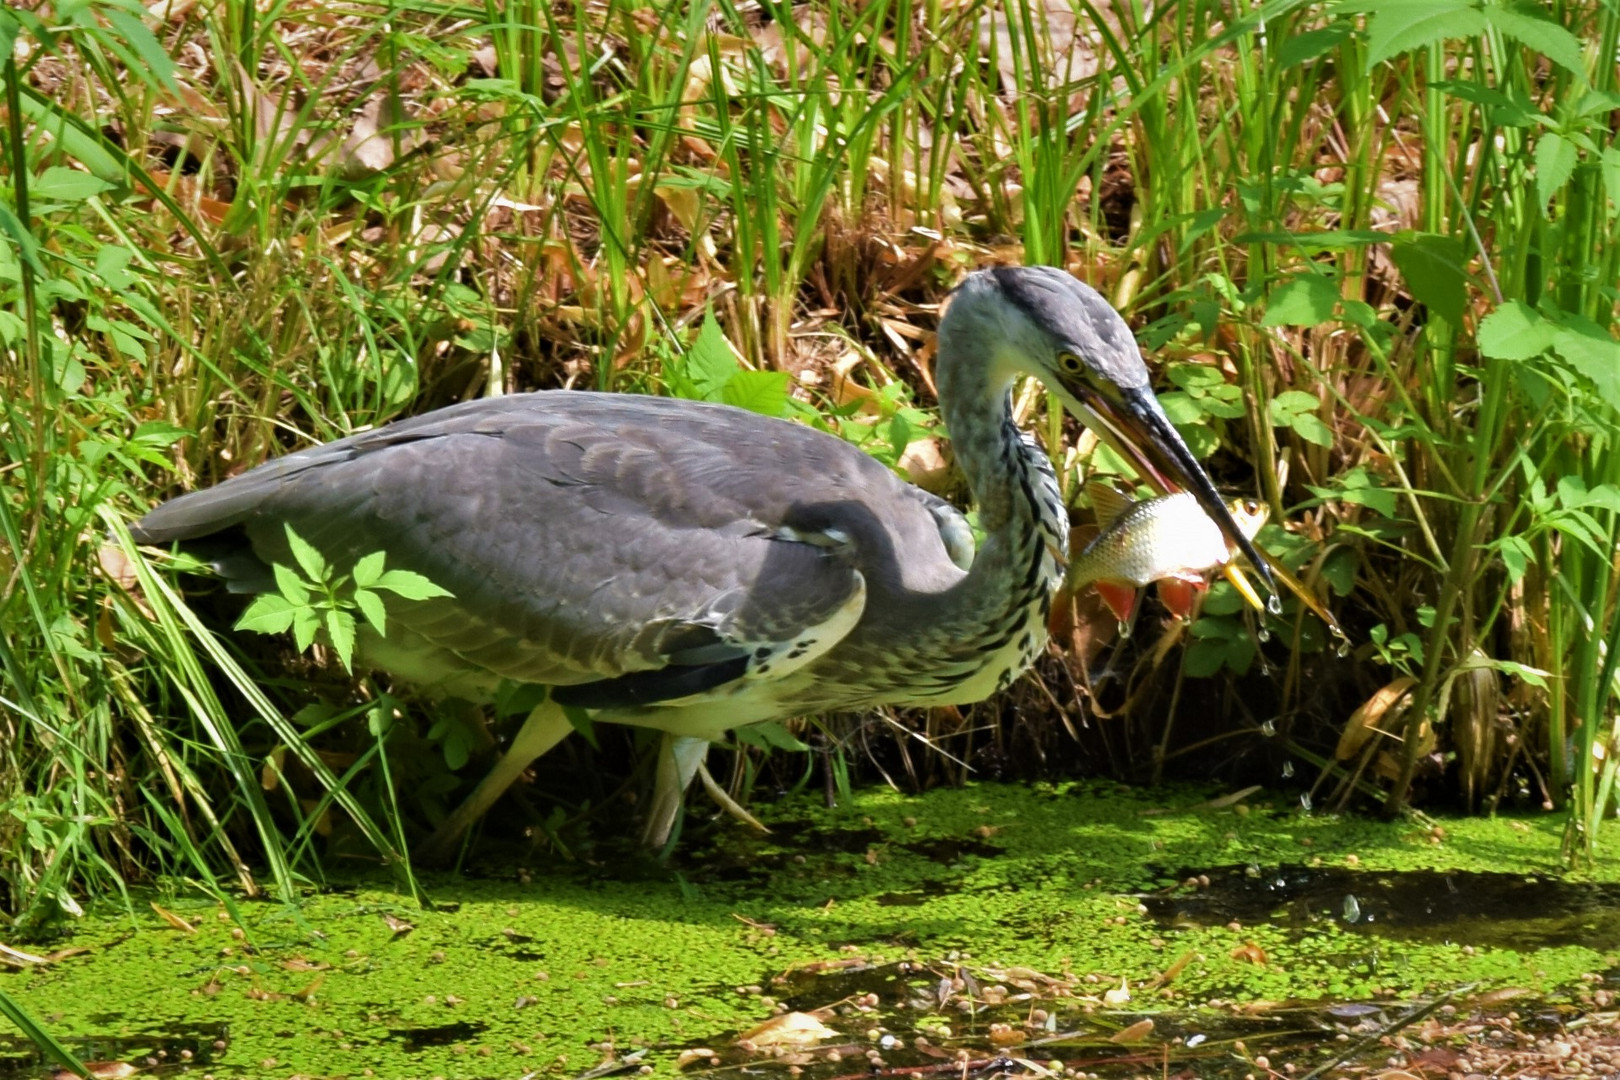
(1251, 506)
(1069, 362)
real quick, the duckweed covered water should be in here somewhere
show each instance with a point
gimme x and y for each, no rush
(1033, 921)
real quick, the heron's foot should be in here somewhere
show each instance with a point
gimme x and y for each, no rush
(726, 802)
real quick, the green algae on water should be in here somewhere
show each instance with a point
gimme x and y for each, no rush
(551, 973)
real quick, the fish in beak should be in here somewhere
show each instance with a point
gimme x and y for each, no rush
(1134, 425)
(1167, 540)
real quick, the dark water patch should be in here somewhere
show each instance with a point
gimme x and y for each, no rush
(415, 1040)
(950, 849)
(1480, 909)
(169, 1052)
(808, 836)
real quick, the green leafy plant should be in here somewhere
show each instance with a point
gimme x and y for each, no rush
(324, 600)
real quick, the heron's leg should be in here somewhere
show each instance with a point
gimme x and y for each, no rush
(678, 761)
(545, 727)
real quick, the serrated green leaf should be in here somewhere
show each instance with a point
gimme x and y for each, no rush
(268, 614)
(340, 627)
(306, 624)
(1589, 349)
(1571, 492)
(1605, 497)
(1581, 526)
(310, 560)
(1516, 554)
(1514, 331)
(1555, 163)
(372, 608)
(1362, 488)
(1532, 675)
(369, 569)
(1397, 26)
(289, 584)
(1433, 268)
(763, 392)
(410, 585)
(711, 361)
(1546, 37)
(1305, 300)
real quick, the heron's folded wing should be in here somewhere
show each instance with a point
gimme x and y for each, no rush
(579, 543)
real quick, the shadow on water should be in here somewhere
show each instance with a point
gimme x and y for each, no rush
(1511, 911)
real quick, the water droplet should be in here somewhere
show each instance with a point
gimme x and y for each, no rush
(1263, 634)
(1269, 728)
(1265, 666)
(1274, 604)
(1305, 802)
(1352, 908)
(1287, 769)
(1125, 629)
(1342, 650)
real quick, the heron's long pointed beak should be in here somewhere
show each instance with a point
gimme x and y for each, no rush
(1136, 427)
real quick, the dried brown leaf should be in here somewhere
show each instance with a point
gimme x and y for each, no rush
(1367, 720)
(789, 1029)
(1135, 1033)
(172, 919)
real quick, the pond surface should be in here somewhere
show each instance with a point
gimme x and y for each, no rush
(1111, 931)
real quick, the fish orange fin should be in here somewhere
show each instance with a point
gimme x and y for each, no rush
(1119, 598)
(1108, 504)
(1178, 595)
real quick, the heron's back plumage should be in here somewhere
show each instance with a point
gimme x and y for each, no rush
(586, 537)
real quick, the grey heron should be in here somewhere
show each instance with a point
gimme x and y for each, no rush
(695, 568)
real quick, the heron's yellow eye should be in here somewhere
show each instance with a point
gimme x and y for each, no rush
(1069, 362)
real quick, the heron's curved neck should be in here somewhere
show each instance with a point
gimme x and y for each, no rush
(1020, 507)
(975, 397)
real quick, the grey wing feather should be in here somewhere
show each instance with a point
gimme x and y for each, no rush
(583, 536)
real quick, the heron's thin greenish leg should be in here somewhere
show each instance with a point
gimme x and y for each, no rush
(544, 728)
(678, 761)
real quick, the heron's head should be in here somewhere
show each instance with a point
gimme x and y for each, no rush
(1042, 321)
